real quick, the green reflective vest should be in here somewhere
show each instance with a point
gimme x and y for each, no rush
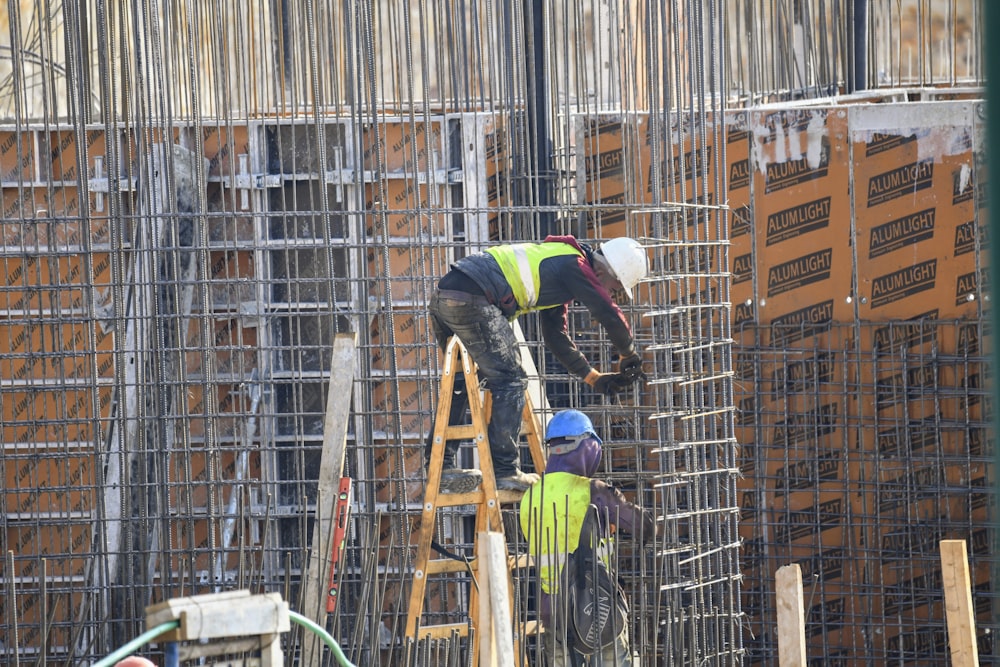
(519, 263)
(552, 514)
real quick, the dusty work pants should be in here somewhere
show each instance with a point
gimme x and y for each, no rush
(490, 341)
(617, 654)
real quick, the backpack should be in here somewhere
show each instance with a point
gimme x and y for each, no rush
(598, 608)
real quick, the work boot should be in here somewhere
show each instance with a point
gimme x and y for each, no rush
(460, 480)
(519, 481)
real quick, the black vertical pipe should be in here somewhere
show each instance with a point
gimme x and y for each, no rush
(539, 129)
(857, 77)
(991, 19)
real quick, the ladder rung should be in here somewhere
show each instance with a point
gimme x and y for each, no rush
(442, 565)
(456, 499)
(520, 562)
(530, 628)
(444, 631)
(462, 432)
(509, 497)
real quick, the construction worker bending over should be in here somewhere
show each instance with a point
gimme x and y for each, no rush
(552, 514)
(482, 293)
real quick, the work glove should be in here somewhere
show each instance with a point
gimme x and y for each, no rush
(630, 367)
(609, 384)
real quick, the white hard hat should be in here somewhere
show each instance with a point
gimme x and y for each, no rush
(628, 260)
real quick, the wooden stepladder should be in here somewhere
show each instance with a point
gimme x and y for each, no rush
(486, 498)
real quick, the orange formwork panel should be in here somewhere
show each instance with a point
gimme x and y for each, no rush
(223, 145)
(412, 270)
(688, 173)
(603, 142)
(412, 341)
(802, 235)
(403, 146)
(56, 483)
(399, 469)
(406, 400)
(409, 210)
(742, 260)
(18, 150)
(233, 342)
(228, 412)
(70, 539)
(44, 283)
(53, 414)
(44, 217)
(194, 472)
(57, 350)
(915, 209)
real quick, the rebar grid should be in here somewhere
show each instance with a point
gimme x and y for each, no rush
(884, 454)
(198, 197)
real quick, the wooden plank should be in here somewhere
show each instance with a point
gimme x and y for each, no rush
(791, 616)
(959, 611)
(487, 638)
(497, 635)
(535, 417)
(331, 469)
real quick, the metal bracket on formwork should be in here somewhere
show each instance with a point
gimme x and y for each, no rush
(338, 175)
(100, 184)
(245, 181)
(437, 176)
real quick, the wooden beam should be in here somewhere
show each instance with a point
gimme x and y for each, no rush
(331, 469)
(959, 612)
(496, 635)
(791, 616)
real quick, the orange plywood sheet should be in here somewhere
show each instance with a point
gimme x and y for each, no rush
(915, 210)
(56, 350)
(67, 545)
(801, 185)
(399, 471)
(691, 162)
(495, 158)
(49, 484)
(227, 414)
(410, 399)
(409, 210)
(234, 347)
(816, 519)
(412, 269)
(194, 473)
(411, 341)
(63, 153)
(24, 208)
(741, 250)
(17, 157)
(603, 168)
(41, 283)
(403, 146)
(233, 279)
(223, 146)
(52, 414)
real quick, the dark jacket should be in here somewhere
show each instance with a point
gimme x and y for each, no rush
(564, 279)
(609, 501)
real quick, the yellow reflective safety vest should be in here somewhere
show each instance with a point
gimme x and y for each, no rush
(519, 263)
(552, 514)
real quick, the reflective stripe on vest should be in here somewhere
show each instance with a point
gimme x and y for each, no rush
(519, 263)
(551, 535)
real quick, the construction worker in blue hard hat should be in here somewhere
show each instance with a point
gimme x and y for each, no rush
(484, 292)
(551, 516)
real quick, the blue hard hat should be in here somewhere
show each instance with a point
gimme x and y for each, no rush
(570, 424)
